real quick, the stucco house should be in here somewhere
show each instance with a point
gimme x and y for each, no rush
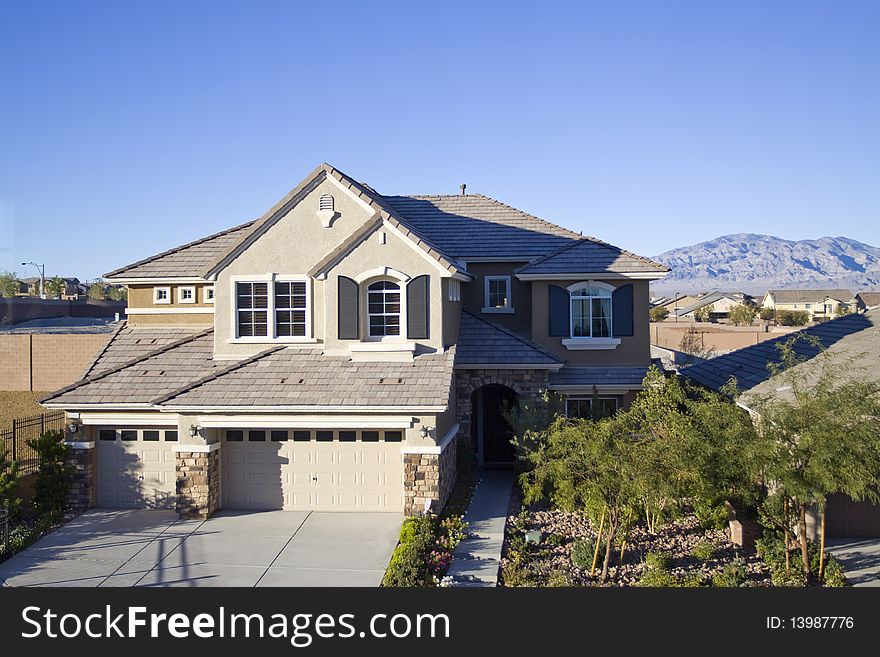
(818, 304)
(721, 302)
(346, 350)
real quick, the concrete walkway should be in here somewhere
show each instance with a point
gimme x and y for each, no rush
(477, 559)
(860, 558)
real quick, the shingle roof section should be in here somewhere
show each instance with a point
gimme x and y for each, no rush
(129, 343)
(870, 299)
(483, 343)
(474, 225)
(589, 255)
(710, 298)
(624, 375)
(806, 296)
(188, 260)
(296, 377)
(143, 379)
(749, 366)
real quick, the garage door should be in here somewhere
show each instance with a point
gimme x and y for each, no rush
(846, 518)
(299, 470)
(136, 468)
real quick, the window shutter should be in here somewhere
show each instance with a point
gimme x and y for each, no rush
(417, 308)
(560, 310)
(622, 311)
(347, 312)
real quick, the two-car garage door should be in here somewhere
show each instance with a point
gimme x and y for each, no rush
(337, 470)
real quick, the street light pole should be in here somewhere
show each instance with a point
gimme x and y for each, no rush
(42, 270)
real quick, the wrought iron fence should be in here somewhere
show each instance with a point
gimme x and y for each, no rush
(4, 531)
(14, 440)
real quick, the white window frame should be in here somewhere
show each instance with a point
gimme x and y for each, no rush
(166, 300)
(454, 290)
(191, 289)
(583, 342)
(589, 398)
(272, 331)
(366, 301)
(208, 294)
(508, 308)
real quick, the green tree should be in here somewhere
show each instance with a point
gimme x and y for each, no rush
(792, 317)
(693, 344)
(824, 434)
(117, 293)
(842, 309)
(742, 315)
(767, 314)
(96, 292)
(55, 287)
(52, 477)
(704, 313)
(9, 483)
(658, 313)
(9, 285)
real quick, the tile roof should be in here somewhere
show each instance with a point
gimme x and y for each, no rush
(589, 255)
(624, 375)
(712, 297)
(870, 299)
(186, 261)
(474, 225)
(807, 296)
(749, 366)
(145, 377)
(296, 377)
(481, 342)
(129, 342)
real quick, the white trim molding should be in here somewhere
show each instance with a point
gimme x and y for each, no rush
(586, 344)
(186, 288)
(381, 272)
(306, 422)
(432, 449)
(170, 310)
(155, 281)
(161, 288)
(195, 449)
(74, 444)
(578, 276)
(510, 366)
(128, 419)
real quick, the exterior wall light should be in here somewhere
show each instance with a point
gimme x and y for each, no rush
(194, 430)
(425, 431)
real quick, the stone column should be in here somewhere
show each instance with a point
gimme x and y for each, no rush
(81, 462)
(198, 480)
(429, 475)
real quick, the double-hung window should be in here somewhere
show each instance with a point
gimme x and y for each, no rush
(591, 312)
(290, 309)
(252, 303)
(383, 309)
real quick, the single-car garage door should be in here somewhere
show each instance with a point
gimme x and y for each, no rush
(136, 468)
(336, 470)
(846, 518)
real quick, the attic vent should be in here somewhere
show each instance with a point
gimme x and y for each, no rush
(326, 210)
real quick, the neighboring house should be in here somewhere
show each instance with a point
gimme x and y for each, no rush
(855, 339)
(867, 301)
(31, 287)
(722, 303)
(819, 304)
(676, 302)
(347, 349)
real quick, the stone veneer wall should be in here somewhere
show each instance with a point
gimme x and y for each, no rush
(529, 386)
(429, 477)
(198, 483)
(81, 463)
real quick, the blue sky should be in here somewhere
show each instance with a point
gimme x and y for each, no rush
(131, 127)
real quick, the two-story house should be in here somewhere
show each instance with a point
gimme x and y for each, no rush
(818, 304)
(346, 350)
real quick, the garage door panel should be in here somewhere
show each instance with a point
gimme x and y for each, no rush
(300, 475)
(135, 474)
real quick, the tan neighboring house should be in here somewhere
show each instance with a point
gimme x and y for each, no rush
(867, 301)
(675, 303)
(346, 350)
(819, 304)
(721, 304)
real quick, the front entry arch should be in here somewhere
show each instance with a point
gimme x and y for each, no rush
(491, 433)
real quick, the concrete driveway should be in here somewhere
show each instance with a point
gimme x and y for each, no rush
(247, 548)
(860, 558)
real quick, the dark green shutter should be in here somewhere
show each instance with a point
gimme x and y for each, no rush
(560, 310)
(417, 308)
(347, 312)
(622, 311)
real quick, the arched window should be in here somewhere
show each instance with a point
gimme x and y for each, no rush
(383, 308)
(591, 310)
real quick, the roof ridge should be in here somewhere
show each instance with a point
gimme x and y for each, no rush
(103, 351)
(507, 331)
(179, 248)
(552, 254)
(128, 363)
(216, 375)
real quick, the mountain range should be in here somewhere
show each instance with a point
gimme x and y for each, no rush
(755, 263)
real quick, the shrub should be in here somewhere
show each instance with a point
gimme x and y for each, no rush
(792, 317)
(833, 573)
(711, 515)
(658, 560)
(555, 540)
(658, 314)
(408, 566)
(734, 575)
(521, 575)
(658, 577)
(582, 552)
(560, 579)
(52, 477)
(704, 313)
(9, 484)
(771, 549)
(766, 314)
(742, 315)
(704, 551)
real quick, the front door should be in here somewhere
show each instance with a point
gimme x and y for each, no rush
(494, 432)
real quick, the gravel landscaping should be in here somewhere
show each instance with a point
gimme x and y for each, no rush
(549, 563)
